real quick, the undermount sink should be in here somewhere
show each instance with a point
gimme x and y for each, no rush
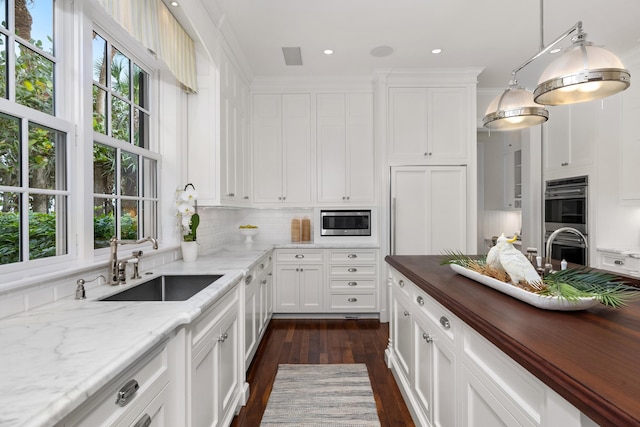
(166, 288)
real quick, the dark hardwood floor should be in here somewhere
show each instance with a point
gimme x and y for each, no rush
(324, 341)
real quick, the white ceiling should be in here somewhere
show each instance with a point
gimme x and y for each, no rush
(498, 35)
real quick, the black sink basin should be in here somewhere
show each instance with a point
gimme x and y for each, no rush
(166, 288)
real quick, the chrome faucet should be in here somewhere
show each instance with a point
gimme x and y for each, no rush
(116, 268)
(552, 237)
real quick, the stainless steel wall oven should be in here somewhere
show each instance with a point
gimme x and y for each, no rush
(566, 205)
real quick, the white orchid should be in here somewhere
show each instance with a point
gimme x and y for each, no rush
(187, 211)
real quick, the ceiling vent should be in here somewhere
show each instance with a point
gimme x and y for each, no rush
(292, 55)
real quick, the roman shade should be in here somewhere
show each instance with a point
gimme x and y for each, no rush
(152, 24)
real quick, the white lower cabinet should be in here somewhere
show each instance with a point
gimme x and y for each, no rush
(258, 306)
(142, 393)
(326, 281)
(215, 376)
(451, 376)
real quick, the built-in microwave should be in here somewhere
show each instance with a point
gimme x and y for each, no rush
(345, 222)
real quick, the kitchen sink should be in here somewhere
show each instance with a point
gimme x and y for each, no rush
(166, 288)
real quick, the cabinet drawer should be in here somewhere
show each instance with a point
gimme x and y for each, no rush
(352, 270)
(352, 301)
(299, 256)
(205, 321)
(619, 263)
(352, 255)
(151, 375)
(445, 321)
(354, 284)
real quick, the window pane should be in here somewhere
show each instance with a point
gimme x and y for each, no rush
(148, 218)
(140, 81)
(10, 226)
(120, 72)
(120, 116)
(129, 220)
(9, 151)
(34, 22)
(140, 126)
(3, 13)
(34, 80)
(45, 146)
(99, 59)
(46, 228)
(149, 174)
(3, 66)
(129, 174)
(99, 110)
(104, 226)
(104, 169)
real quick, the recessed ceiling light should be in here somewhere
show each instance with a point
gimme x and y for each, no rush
(556, 50)
(436, 51)
(174, 3)
(381, 51)
(327, 51)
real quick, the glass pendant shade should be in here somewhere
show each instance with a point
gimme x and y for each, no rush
(583, 73)
(514, 109)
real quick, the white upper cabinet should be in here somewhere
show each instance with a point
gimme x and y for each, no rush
(428, 125)
(218, 155)
(630, 174)
(344, 130)
(571, 136)
(282, 149)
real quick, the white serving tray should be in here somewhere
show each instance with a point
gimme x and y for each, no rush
(540, 301)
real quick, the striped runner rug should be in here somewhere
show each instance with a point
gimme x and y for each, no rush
(321, 395)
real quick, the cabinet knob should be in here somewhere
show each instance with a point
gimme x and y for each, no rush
(401, 283)
(445, 322)
(348, 197)
(406, 313)
(352, 283)
(231, 195)
(420, 301)
(126, 392)
(344, 198)
(299, 256)
(353, 300)
(264, 281)
(564, 164)
(618, 262)
(223, 337)
(352, 256)
(352, 270)
(428, 338)
(246, 197)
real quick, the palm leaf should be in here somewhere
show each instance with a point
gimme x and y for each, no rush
(458, 258)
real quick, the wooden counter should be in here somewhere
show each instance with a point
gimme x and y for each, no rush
(591, 358)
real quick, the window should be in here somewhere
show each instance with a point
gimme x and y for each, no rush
(124, 168)
(33, 142)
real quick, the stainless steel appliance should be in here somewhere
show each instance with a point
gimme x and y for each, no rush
(345, 222)
(566, 205)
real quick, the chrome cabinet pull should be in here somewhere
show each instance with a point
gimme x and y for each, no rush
(299, 256)
(406, 313)
(352, 256)
(428, 338)
(248, 279)
(223, 337)
(401, 283)
(352, 270)
(420, 301)
(445, 322)
(261, 266)
(145, 421)
(352, 283)
(264, 281)
(127, 392)
(353, 300)
(618, 262)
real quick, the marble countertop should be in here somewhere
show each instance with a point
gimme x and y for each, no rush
(54, 357)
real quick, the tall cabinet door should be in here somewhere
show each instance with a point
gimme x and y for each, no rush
(429, 209)
(267, 147)
(296, 148)
(332, 140)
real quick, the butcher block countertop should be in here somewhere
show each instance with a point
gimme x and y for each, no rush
(591, 358)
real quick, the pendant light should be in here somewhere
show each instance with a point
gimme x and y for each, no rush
(583, 73)
(514, 109)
